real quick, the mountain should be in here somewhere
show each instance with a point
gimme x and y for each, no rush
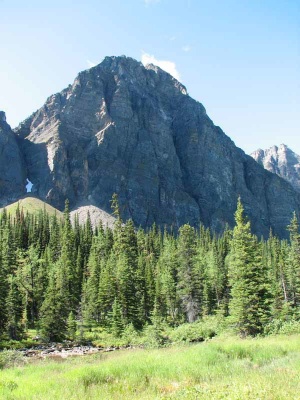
(134, 130)
(281, 161)
(12, 168)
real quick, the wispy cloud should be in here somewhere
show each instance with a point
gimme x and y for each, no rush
(91, 63)
(186, 48)
(166, 65)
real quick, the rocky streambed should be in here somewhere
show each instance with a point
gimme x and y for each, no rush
(58, 350)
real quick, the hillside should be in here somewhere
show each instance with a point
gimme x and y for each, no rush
(31, 205)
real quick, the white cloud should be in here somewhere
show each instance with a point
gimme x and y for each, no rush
(168, 66)
(186, 48)
(91, 63)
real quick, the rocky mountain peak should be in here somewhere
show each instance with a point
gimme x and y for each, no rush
(130, 129)
(2, 116)
(282, 161)
(132, 71)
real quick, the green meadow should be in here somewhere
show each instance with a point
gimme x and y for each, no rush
(225, 367)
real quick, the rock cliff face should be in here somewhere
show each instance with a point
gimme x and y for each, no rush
(12, 171)
(122, 127)
(281, 161)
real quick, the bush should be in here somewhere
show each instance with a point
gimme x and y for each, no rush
(192, 333)
(198, 331)
(11, 358)
(278, 326)
(130, 336)
(153, 337)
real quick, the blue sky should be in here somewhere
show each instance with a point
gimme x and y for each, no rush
(239, 58)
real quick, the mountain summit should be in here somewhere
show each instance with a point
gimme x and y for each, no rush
(125, 128)
(281, 161)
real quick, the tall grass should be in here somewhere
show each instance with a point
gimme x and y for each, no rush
(223, 368)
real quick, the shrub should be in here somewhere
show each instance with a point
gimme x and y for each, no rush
(153, 337)
(11, 358)
(191, 333)
(15, 344)
(198, 331)
(278, 326)
(130, 336)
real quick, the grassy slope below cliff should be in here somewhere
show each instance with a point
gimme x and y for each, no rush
(31, 205)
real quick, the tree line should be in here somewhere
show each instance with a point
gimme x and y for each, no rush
(55, 275)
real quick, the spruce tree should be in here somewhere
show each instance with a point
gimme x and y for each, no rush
(117, 323)
(275, 255)
(249, 303)
(14, 309)
(4, 288)
(107, 289)
(66, 264)
(54, 311)
(188, 279)
(293, 273)
(91, 310)
(168, 265)
(71, 326)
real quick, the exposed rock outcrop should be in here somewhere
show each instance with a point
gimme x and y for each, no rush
(12, 171)
(122, 127)
(94, 213)
(281, 161)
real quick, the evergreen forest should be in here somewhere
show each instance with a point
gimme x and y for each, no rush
(56, 277)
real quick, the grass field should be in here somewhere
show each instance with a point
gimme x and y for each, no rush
(222, 368)
(31, 205)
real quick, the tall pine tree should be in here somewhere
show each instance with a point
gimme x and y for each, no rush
(249, 303)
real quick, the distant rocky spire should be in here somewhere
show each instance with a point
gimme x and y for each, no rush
(280, 160)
